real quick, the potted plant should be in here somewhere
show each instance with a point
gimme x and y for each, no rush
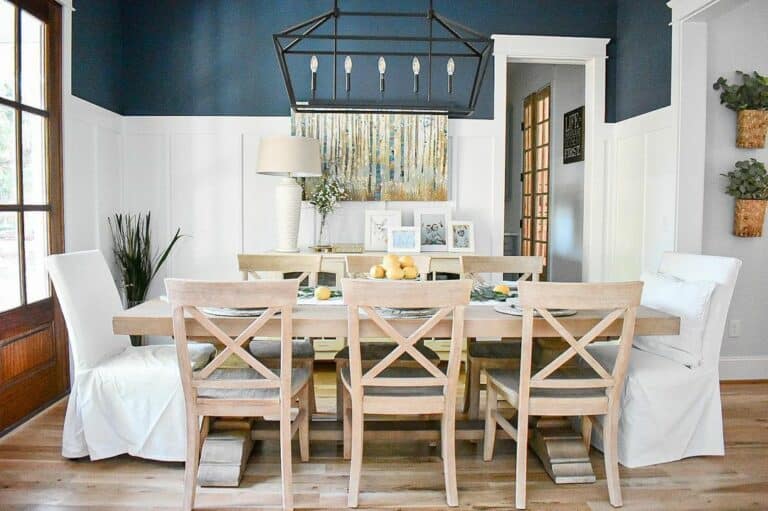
(748, 183)
(750, 101)
(138, 264)
(325, 198)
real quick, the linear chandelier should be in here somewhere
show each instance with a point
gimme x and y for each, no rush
(314, 53)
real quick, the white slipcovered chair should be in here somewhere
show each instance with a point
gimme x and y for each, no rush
(124, 399)
(671, 408)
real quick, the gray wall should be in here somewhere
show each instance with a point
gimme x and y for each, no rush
(737, 40)
(566, 181)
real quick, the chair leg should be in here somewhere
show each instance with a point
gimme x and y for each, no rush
(489, 438)
(448, 451)
(339, 393)
(522, 458)
(192, 461)
(474, 389)
(312, 399)
(586, 431)
(465, 406)
(286, 468)
(356, 464)
(610, 447)
(346, 415)
(305, 407)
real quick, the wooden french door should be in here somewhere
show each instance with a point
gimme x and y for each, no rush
(534, 221)
(34, 366)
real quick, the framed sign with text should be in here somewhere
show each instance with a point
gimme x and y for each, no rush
(573, 136)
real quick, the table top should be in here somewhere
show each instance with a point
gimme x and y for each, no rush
(313, 320)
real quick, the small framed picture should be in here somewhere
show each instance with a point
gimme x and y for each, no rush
(432, 224)
(403, 240)
(461, 236)
(377, 224)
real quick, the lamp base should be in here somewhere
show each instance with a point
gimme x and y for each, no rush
(287, 250)
(287, 213)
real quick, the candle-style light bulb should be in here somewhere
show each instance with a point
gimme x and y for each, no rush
(382, 70)
(450, 67)
(416, 67)
(313, 64)
(348, 73)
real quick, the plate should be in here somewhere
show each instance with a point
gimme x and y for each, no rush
(392, 312)
(233, 312)
(514, 311)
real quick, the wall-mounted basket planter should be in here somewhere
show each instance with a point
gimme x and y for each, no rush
(752, 126)
(748, 218)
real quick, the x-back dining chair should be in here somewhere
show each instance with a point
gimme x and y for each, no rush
(388, 390)
(492, 355)
(373, 351)
(275, 266)
(252, 391)
(586, 389)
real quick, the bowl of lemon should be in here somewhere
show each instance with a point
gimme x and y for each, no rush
(394, 267)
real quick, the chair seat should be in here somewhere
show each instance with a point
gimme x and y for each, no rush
(378, 350)
(509, 382)
(396, 372)
(299, 378)
(494, 349)
(270, 348)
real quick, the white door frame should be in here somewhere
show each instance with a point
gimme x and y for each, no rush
(689, 111)
(591, 53)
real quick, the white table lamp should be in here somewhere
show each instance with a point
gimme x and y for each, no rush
(289, 157)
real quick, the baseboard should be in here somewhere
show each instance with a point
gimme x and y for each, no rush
(744, 368)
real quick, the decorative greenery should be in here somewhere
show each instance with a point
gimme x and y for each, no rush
(309, 292)
(749, 180)
(485, 294)
(752, 94)
(132, 248)
(326, 197)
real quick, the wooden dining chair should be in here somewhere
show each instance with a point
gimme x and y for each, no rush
(251, 391)
(563, 387)
(373, 351)
(492, 354)
(388, 390)
(275, 267)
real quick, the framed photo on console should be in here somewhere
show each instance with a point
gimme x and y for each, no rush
(377, 225)
(433, 228)
(461, 236)
(403, 240)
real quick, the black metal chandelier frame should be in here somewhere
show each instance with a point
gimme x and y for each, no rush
(477, 46)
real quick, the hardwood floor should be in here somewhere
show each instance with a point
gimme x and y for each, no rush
(34, 476)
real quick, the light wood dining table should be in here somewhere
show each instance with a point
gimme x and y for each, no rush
(559, 447)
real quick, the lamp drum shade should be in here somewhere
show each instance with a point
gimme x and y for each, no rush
(286, 155)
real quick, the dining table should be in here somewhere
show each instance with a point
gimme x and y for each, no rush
(560, 448)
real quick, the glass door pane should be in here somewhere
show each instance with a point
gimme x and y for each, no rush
(35, 251)
(33, 158)
(7, 155)
(7, 50)
(32, 59)
(10, 294)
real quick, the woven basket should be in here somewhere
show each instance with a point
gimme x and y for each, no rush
(749, 217)
(752, 126)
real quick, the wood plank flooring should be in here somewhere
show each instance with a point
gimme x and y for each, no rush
(34, 476)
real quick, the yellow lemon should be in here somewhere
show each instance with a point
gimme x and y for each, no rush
(395, 274)
(390, 261)
(410, 272)
(406, 262)
(377, 271)
(322, 293)
(501, 288)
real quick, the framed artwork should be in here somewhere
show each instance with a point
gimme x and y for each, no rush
(377, 224)
(403, 240)
(573, 135)
(433, 228)
(461, 236)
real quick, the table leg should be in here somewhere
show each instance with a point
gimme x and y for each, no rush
(561, 451)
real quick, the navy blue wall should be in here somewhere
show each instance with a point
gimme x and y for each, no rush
(97, 53)
(643, 57)
(215, 57)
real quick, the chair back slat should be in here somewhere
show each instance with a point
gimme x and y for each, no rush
(360, 265)
(447, 297)
(188, 296)
(256, 265)
(528, 267)
(621, 300)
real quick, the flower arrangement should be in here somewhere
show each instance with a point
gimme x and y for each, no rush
(325, 198)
